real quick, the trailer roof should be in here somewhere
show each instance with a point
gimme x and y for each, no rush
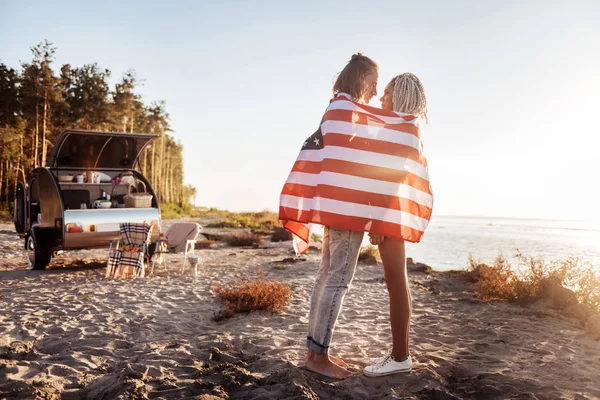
(78, 148)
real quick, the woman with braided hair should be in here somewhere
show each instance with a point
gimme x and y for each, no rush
(404, 94)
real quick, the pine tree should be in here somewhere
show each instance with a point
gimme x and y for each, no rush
(36, 105)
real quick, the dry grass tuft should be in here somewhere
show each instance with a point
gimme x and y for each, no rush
(205, 244)
(248, 295)
(369, 251)
(316, 238)
(263, 221)
(526, 282)
(5, 216)
(244, 239)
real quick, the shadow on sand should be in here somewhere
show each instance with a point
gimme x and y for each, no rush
(60, 266)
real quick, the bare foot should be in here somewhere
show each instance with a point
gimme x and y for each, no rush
(338, 361)
(335, 360)
(324, 366)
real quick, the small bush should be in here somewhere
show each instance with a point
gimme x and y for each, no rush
(171, 211)
(316, 238)
(248, 295)
(204, 244)
(243, 239)
(525, 283)
(369, 251)
(263, 232)
(5, 215)
(226, 218)
(495, 282)
(264, 221)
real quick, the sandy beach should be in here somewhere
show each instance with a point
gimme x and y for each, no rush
(69, 333)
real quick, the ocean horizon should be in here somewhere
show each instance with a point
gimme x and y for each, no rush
(450, 240)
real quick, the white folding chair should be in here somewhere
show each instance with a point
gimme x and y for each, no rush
(180, 237)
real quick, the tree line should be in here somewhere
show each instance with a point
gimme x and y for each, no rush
(37, 103)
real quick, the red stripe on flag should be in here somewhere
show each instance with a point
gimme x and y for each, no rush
(359, 197)
(376, 227)
(297, 228)
(375, 110)
(369, 120)
(375, 146)
(363, 171)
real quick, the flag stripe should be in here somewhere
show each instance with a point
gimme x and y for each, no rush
(354, 210)
(299, 229)
(357, 183)
(357, 196)
(351, 130)
(375, 146)
(366, 157)
(340, 103)
(364, 171)
(383, 228)
(371, 120)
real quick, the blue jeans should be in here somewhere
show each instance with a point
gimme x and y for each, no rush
(338, 264)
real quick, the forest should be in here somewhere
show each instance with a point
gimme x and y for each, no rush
(39, 99)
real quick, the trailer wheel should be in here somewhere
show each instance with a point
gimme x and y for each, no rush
(38, 259)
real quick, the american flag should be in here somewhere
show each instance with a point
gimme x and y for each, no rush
(362, 170)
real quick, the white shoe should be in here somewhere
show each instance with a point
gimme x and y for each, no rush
(380, 359)
(388, 366)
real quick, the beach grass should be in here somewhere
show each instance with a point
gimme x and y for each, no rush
(244, 239)
(526, 281)
(316, 238)
(5, 215)
(263, 220)
(369, 251)
(253, 294)
(204, 244)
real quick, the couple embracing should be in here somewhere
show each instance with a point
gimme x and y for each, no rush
(362, 171)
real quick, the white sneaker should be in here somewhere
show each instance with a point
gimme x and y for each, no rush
(380, 359)
(388, 366)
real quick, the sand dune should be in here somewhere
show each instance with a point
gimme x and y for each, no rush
(69, 333)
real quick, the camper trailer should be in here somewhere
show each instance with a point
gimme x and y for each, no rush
(90, 186)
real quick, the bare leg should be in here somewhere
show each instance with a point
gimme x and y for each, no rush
(393, 255)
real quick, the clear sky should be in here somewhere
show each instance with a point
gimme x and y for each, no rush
(513, 87)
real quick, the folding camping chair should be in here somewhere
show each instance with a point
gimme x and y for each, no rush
(180, 237)
(126, 256)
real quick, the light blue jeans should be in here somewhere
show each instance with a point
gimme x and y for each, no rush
(338, 264)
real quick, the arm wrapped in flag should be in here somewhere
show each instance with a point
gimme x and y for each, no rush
(362, 170)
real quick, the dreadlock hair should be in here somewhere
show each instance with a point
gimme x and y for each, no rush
(409, 95)
(352, 78)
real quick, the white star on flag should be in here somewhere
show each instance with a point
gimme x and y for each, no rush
(316, 140)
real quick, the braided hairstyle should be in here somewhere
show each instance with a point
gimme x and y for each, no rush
(352, 78)
(409, 95)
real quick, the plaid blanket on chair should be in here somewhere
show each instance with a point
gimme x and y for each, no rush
(135, 234)
(126, 258)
